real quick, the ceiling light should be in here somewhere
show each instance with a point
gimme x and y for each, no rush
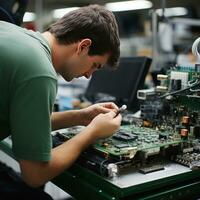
(175, 11)
(29, 17)
(128, 5)
(58, 13)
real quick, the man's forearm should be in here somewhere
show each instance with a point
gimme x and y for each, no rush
(63, 156)
(66, 119)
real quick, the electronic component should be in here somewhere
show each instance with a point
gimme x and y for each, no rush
(150, 169)
(145, 93)
(161, 88)
(181, 76)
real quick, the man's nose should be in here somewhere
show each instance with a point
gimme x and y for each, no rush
(88, 74)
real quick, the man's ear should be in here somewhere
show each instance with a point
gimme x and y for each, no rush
(84, 46)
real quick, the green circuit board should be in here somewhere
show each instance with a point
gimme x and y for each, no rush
(129, 140)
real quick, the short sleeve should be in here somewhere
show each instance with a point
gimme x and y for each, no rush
(30, 118)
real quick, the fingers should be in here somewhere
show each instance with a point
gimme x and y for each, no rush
(106, 110)
(109, 105)
(116, 119)
(112, 114)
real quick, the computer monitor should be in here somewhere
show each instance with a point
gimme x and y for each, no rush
(121, 84)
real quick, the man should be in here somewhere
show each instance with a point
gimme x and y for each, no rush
(77, 45)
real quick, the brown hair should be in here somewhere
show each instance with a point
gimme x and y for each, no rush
(94, 22)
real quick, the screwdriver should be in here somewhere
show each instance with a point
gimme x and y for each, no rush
(121, 109)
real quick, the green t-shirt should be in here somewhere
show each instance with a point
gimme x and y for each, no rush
(28, 86)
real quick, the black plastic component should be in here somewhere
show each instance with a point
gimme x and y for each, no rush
(197, 131)
(175, 84)
(125, 136)
(151, 169)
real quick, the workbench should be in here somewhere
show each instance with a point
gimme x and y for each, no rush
(174, 182)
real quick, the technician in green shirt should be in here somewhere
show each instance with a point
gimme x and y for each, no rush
(76, 45)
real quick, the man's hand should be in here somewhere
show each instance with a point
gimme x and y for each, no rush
(104, 125)
(89, 113)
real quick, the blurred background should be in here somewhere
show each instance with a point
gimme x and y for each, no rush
(147, 27)
(161, 29)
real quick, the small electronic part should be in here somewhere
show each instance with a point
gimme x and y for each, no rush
(161, 77)
(176, 84)
(184, 133)
(145, 93)
(161, 88)
(124, 136)
(105, 144)
(121, 145)
(151, 111)
(196, 131)
(197, 67)
(163, 136)
(151, 169)
(182, 76)
(191, 160)
(195, 165)
(185, 119)
(112, 170)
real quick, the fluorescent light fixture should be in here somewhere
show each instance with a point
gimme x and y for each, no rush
(29, 17)
(175, 11)
(128, 5)
(58, 13)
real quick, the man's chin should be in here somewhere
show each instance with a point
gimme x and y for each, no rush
(68, 79)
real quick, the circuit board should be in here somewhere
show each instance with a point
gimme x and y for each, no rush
(131, 146)
(129, 140)
(168, 129)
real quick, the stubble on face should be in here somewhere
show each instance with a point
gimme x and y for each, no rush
(66, 71)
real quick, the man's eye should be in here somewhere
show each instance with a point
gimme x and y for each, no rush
(94, 66)
(99, 67)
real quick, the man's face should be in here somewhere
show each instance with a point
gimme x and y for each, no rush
(82, 65)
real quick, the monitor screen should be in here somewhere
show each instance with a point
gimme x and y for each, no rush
(120, 84)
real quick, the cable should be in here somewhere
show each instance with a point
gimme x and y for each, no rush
(102, 168)
(194, 83)
(196, 47)
(179, 91)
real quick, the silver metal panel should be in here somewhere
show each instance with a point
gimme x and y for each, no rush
(133, 178)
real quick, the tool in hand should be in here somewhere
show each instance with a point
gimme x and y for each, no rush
(121, 109)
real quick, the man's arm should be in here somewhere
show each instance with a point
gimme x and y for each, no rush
(84, 116)
(66, 119)
(37, 173)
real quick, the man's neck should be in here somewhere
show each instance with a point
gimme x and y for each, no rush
(59, 52)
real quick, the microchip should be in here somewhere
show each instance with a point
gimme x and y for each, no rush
(150, 169)
(125, 136)
(121, 146)
(162, 136)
